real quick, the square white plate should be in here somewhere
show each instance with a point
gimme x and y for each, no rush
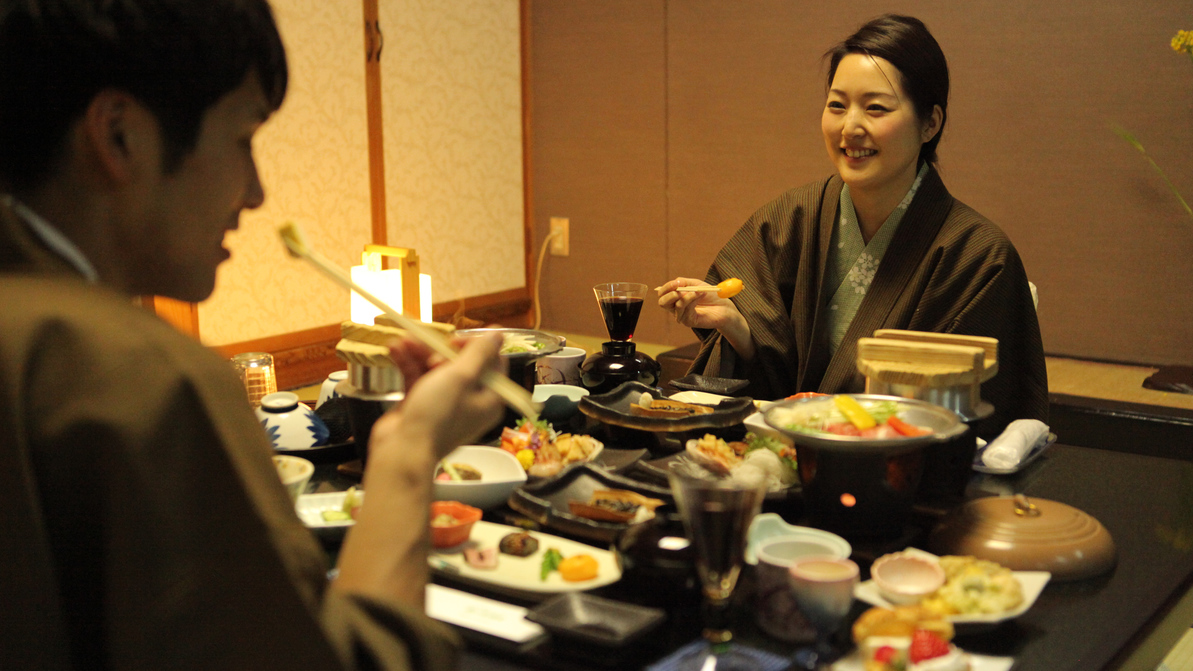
(310, 509)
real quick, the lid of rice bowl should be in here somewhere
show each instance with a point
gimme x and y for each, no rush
(1027, 535)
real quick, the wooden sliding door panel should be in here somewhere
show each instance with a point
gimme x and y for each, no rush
(451, 80)
(313, 162)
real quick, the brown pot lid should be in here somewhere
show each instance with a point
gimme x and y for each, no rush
(1027, 535)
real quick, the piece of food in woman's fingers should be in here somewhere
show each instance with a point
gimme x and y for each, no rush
(726, 289)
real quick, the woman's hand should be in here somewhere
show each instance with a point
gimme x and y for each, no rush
(707, 310)
(695, 309)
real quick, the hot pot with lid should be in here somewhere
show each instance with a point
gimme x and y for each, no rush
(857, 486)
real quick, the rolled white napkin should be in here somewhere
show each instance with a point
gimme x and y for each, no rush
(1019, 438)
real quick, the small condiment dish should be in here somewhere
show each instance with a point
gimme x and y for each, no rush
(905, 579)
(450, 535)
(500, 476)
(295, 473)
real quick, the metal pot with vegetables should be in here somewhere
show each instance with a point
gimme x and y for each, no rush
(860, 456)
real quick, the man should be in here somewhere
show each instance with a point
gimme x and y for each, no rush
(143, 523)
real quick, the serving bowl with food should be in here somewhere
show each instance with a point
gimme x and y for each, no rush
(543, 452)
(520, 349)
(863, 422)
(478, 475)
(451, 523)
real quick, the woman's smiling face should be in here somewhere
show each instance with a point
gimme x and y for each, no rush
(871, 130)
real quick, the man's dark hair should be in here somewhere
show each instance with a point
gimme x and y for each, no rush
(905, 42)
(176, 57)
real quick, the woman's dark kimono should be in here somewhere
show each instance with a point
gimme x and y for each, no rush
(948, 270)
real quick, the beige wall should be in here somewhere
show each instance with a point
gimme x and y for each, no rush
(660, 125)
(453, 146)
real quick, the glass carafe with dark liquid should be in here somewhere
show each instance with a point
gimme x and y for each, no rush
(619, 361)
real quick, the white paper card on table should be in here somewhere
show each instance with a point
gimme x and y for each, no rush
(478, 613)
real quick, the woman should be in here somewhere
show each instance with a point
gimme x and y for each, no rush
(881, 244)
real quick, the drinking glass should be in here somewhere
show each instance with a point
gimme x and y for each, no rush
(823, 588)
(717, 513)
(621, 303)
(257, 373)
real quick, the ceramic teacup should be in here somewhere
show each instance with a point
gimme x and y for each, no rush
(777, 613)
(562, 367)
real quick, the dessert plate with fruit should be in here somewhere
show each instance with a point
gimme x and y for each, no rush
(911, 638)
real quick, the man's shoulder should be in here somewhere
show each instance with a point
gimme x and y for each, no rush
(66, 314)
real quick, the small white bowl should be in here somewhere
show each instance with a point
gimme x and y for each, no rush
(500, 475)
(767, 527)
(905, 579)
(294, 472)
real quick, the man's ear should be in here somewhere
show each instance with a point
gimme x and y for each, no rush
(114, 132)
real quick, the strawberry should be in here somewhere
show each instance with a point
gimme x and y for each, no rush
(884, 654)
(926, 645)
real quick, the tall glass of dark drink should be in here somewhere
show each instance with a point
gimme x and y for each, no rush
(621, 303)
(717, 513)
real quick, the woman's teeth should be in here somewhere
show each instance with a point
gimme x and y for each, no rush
(859, 153)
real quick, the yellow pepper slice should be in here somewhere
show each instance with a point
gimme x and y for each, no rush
(526, 458)
(854, 412)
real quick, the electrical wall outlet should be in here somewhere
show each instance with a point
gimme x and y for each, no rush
(559, 229)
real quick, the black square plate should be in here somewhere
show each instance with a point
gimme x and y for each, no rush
(595, 620)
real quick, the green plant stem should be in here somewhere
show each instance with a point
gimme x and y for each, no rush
(1126, 135)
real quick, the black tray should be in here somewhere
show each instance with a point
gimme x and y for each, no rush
(325, 454)
(546, 501)
(614, 408)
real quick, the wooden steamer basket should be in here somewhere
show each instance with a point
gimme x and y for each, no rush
(943, 369)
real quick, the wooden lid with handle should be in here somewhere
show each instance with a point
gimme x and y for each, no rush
(920, 364)
(988, 345)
